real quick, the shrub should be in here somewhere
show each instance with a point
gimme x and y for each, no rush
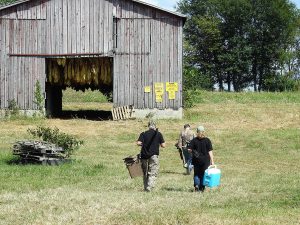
(13, 108)
(68, 142)
(188, 101)
(38, 97)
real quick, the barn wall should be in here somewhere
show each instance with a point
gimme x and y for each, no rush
(19, 75)
(154, 55)
(149, 46)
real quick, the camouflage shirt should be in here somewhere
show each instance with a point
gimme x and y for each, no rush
(185, 137)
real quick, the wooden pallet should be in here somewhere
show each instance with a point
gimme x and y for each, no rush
(123, 113)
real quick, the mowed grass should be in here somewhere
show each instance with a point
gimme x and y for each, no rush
(256, 144)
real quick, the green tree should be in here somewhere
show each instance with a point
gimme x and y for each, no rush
(203, 43)
(4, 2)
(273, 26)
(238, 42)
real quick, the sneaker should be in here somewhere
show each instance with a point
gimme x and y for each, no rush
(185, 165)
(190, 168)
(196, 188)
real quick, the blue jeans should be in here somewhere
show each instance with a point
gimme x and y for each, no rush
(199, 168)
(188, 159)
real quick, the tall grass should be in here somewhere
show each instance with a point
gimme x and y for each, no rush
(256, 145)
(246, 97)
(70, 95)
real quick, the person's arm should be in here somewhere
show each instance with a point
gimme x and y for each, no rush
(211, 155)
(191, 146)
(162, 141)
(180, 141)
(139, 142)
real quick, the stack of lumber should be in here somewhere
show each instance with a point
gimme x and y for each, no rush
(39, 152)
(123, 112)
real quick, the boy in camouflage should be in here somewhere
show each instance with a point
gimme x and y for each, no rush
(150, 141)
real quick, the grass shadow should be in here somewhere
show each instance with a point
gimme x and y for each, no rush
(173, 172)
(20, 161)
(175, 189)
(94, 115)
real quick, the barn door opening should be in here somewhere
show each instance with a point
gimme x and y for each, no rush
(78, 82)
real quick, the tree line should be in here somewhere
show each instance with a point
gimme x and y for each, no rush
(236, 44)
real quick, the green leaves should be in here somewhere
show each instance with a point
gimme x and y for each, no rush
(240, 42)
(67, 142)
(5, 2)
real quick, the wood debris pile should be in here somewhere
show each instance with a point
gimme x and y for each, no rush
(39, 152)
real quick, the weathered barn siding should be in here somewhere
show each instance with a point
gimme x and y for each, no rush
(147, 52)
(148, 46)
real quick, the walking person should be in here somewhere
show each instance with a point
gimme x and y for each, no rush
(202, 157)
(150, 141)
(185, 137)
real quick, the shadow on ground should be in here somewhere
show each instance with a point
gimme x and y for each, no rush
(95, 115)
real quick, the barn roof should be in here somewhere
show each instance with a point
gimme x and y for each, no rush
(138, 1)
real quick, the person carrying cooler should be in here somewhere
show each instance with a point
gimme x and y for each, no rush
(202, 157)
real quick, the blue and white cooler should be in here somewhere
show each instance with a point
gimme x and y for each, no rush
(212, 176)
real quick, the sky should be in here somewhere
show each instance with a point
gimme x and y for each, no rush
(170, 4)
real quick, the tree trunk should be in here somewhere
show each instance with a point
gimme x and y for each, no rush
(228, 83)
(254, 74)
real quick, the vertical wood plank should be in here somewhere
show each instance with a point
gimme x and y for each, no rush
(65, 26)
(101, 30)
(171, 59)
(91, 24)
(180, 35)
(78, 25)
(110, 26)
(2, 67)
(105, 27)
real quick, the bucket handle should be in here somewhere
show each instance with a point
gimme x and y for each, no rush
(212, 166)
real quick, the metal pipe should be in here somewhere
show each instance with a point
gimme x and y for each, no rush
(57, 55)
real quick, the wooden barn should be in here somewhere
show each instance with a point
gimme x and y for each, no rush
(125, 47)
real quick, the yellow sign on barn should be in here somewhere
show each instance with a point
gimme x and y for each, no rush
(172, 95)
(159, 91)
(147, 89)
(171, 88)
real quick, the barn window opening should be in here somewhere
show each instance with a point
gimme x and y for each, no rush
(79, 87)
(115, 32)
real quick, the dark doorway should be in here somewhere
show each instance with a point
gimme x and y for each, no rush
(80, 79)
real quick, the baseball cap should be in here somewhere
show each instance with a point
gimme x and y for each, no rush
(151, 123)
(200, 129)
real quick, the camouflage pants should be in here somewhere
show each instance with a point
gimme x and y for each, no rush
(150, 169)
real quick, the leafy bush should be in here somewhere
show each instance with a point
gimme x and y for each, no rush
(68, 142)
(281, 83)
(188, 101)
(13, 108)
(38, 97)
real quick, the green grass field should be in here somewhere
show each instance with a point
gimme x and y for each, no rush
(256, 140)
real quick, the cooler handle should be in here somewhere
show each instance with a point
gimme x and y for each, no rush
(211, 166)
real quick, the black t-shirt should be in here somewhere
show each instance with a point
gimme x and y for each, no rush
(200, 148)
(146, 137)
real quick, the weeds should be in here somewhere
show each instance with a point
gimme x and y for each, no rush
(68, 142)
